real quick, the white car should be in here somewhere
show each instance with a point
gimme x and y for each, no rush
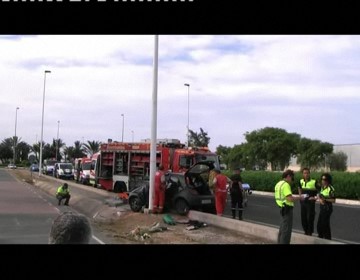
(12, 166)
(64, 170)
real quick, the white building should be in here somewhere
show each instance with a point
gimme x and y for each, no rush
(351, 150)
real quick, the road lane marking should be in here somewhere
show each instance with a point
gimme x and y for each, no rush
(98, 240)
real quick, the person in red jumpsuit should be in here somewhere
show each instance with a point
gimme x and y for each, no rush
(160, 186)
(220, 182)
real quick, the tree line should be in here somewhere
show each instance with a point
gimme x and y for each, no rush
(276, 147)
(267, 146)
(56, 150)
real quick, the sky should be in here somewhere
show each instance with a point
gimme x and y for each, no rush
(307, 84)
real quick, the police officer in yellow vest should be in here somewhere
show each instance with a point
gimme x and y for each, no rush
(326, 199)
(63, 193)
(285, 200)
(308, 187)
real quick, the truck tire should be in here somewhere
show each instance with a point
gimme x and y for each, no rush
(181, 206)
(135, 204)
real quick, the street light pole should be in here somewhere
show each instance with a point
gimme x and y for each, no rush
(57, 142)
(42, 122)
(188, 127)
(132, 135)
(17, 108)
(122, 134)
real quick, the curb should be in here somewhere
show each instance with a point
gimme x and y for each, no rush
(88, 206)
(261, 231)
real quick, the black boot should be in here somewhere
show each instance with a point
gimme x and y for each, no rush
(240, 214)
(233, 213)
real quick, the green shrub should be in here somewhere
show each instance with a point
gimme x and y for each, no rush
(346, 184)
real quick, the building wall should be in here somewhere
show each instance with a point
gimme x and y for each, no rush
(351, 150)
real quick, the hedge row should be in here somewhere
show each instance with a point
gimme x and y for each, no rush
(346, 184)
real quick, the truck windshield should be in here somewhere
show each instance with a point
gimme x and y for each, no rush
(66, 166)
(86, 166)
(51, 162)
(203, 157)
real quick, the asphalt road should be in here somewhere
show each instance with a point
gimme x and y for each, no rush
(26, 214)
(345, 219)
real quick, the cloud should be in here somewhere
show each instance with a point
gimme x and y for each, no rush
(304, 84)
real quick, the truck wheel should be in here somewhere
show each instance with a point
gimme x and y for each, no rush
(181, 206)
(135, 204)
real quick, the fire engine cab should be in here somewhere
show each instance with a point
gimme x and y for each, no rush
(121, 167)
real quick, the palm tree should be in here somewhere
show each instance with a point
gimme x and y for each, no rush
(92, 147)
(78, 150)
(57, 145)
(35, 148)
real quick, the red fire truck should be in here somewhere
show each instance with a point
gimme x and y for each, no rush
(120, 167)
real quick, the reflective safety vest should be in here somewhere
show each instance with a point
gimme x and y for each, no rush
(283, 189)
(62, 191)
(328, 192)
(309, 185)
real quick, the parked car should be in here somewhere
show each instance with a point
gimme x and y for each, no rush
(12, 166)
(184, 191)
(34, 167)
(48, 167)
(64, 170)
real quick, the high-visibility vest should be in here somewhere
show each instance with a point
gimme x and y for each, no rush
(280, 197)
(309, 185)
(327, 192)
(62, 191)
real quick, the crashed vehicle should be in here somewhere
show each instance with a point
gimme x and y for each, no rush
(184, 191)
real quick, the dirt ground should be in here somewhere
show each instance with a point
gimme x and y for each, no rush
(122, 226)
(125, 226)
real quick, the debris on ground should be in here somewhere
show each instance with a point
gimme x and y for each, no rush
(182, 221)
(168, 219)
(193, 224)
(142, 233)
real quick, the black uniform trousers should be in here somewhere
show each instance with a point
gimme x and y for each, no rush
(308, 216)
(236, 201)
(323, 224)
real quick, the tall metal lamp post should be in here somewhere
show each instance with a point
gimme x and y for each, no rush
(57, 142)
(17, 108)
(122, 134)
(42, 123)
(188, 127)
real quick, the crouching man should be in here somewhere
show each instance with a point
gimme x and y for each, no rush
(63, 193)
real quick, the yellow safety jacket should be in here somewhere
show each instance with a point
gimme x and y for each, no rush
(282, 190)
(309, 185)
(62, 191)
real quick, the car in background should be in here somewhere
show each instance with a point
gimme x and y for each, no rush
(48, 167)
(64, 170)
(12, 166)
(184, 191)
(34, 167)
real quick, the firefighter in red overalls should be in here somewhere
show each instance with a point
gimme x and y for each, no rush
(160, 186)
(220, 182)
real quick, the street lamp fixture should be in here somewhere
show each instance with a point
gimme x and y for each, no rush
(122, 134)
(188, 127)
(42, 122)
(17, 108)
